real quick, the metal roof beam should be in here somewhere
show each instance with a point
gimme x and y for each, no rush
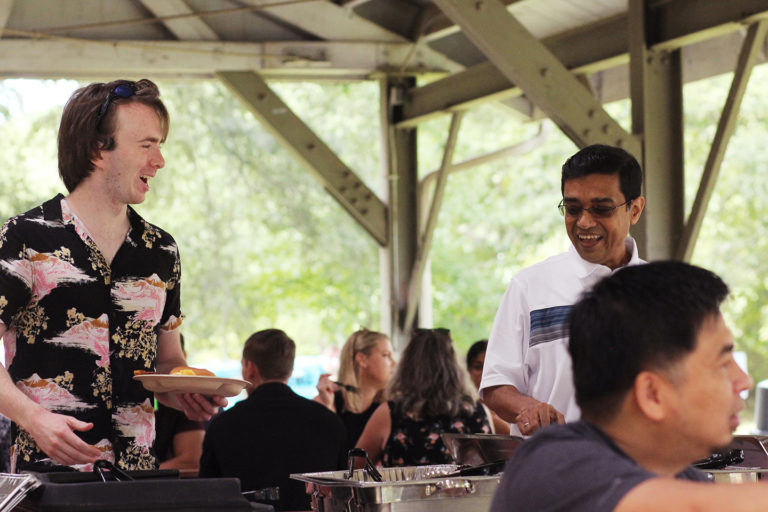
(602, 48)
(338, 179)
(299, 59)
(192, 28)
(523, 59)
(327, 20)
(427, 231)
(5, 12)
(657, 118)
(725, 127)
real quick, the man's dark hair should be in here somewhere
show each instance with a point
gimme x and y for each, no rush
(601, 159)
(643, 317)
(82, 134)
(475, 350)
(272, 351)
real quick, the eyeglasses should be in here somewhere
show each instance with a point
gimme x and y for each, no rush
(599, 210)
(120, 91)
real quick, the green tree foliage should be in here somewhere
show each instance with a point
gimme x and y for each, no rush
(263, 245)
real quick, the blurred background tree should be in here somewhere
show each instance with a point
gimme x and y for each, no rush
(263, 245)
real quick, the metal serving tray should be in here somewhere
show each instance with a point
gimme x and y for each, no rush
(753, 468)
(474, 449)
(405, 489)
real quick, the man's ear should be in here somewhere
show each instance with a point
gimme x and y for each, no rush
(650, 393)
(250, 371)
(636, 209)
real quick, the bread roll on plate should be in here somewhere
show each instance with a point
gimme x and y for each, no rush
(189, 370)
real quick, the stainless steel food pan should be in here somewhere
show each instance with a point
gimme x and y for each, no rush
(406, 489)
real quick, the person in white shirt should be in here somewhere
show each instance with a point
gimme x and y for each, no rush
(527, 376)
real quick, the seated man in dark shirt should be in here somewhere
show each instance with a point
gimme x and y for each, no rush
(274, 432)
(658, 388)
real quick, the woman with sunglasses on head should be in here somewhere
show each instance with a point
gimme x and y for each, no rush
(430, 394)
(365, 365)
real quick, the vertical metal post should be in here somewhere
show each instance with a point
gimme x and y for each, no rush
(657, 116)
(399, 165)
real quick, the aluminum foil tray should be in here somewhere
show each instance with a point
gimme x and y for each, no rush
(403, 489)
(13, 489)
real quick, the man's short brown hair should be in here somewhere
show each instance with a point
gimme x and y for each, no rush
(82, 133)
(272, 351)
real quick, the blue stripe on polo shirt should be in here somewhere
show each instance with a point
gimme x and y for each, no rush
(549, 324)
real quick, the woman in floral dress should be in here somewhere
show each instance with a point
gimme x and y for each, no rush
(430, 394)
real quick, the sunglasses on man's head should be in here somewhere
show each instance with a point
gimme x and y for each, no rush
(599, 210)
(120, 91)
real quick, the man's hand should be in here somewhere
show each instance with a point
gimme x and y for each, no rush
(54, 434)
(199, 407)
(526, 412)
(531, 418)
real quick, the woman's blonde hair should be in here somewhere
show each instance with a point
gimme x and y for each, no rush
(349, 373)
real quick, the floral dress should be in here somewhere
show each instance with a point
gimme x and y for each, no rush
(417, 442)
(77, 328)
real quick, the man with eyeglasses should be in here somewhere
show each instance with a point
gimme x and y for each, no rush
(527, 377)
(89, 293)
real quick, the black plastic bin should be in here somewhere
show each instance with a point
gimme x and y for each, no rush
(149, 491)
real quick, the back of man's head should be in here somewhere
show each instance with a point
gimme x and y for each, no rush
(272, 351)
(644, 317)
(601, 159)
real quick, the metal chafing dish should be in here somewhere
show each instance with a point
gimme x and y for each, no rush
(480, 448)
(751, 465)
(405, 489)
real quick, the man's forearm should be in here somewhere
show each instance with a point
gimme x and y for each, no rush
(13, 403)
(507, 401)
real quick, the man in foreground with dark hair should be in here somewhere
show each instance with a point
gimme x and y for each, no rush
(658, 389)
(274, 432)
(527, 372)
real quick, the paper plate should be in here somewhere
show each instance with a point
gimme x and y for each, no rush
(205, 385)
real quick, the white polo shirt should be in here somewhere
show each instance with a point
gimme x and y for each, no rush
(528, 345)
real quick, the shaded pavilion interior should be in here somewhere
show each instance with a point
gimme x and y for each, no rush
(535, 59)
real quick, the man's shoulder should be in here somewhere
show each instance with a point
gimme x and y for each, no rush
(558, 272)
(35, 223)
(545, 267)
(46, 210)
(320, 411)
(571, 467)
(149, 231)
(577, 440)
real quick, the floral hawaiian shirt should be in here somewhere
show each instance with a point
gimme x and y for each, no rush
(77, 327)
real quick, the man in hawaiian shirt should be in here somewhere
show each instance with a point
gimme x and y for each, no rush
(89, 293)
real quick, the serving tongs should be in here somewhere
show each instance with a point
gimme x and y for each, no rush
(369, 468)
(489, 468)
(266, 494)
(720, 460)
(104, 467)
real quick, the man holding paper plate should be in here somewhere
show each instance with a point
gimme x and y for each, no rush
(89, 294)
